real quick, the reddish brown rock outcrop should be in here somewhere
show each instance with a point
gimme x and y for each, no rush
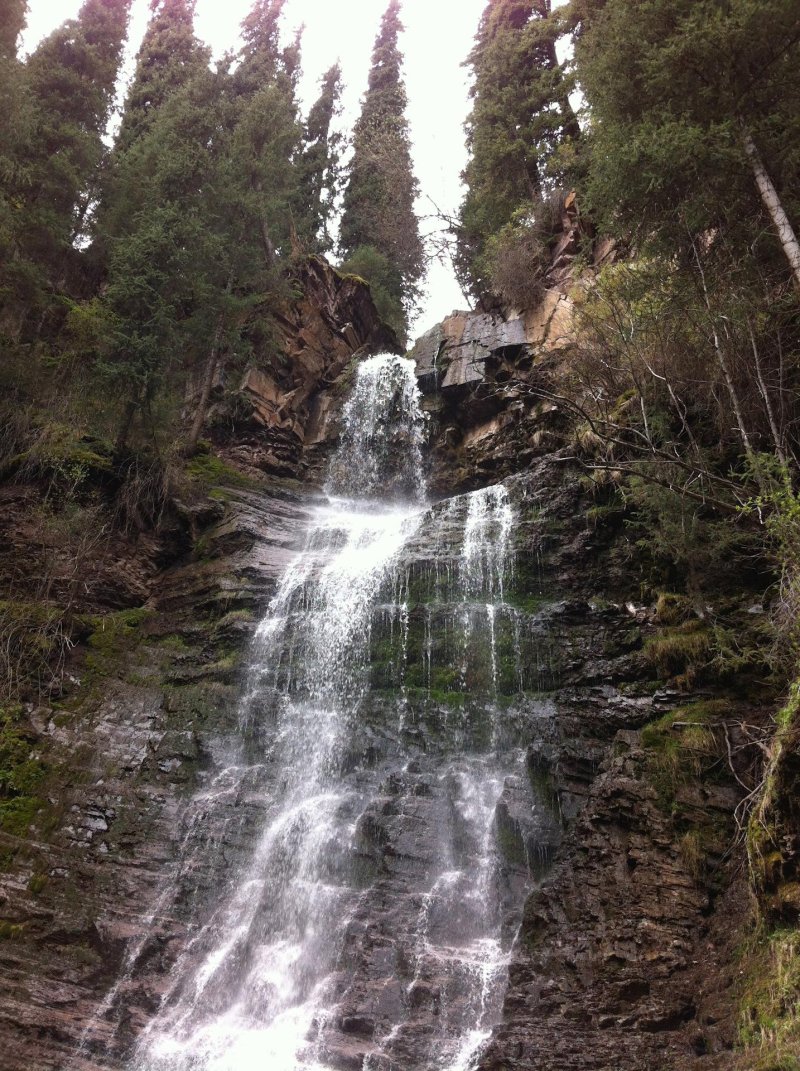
(279, 414)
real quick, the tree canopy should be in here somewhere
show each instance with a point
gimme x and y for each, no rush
(518, 131)
(379, 225)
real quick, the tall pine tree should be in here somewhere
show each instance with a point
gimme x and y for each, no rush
(69, 84)
(520, 119)
(19, 280)
(169, 57)
(201, 214)
(13, 15)
(319, 167)
(695, 106)
(169, 269)
(268, 132)
(380, 231)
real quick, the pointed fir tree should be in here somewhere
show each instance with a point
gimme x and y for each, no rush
(261, 56)
(204, 211)
(13, 16)
(380, 236)
(319, 167)
(268, 132)
(169, 57)
(69, 83)
(521, 119)
(168, 269)
(19, 279)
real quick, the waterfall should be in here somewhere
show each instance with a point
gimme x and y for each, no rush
(382, 738)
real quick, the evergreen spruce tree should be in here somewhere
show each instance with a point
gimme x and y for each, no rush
(318, 167)
(13, 15)
(696, 119)
(168, 268)
(169, 57)
(521, 119)
(260, 59)
(267, 129)
(63, 106)
(380, 232)
(18, 278)
(200, 216)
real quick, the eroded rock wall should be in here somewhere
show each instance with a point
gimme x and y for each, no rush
(278, 415)
(629, 953)
(625, 956)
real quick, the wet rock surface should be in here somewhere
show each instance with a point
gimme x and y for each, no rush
(623, 953)
(132, 735)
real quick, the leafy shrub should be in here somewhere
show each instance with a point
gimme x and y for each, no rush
(385, 284)
(517, 259)
(35, 639)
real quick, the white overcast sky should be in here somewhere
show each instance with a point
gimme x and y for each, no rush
(437, 38)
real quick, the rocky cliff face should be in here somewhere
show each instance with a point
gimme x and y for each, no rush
(626, 957)
(96, 777)
(482, 374)
(622, 820)
(279, 419)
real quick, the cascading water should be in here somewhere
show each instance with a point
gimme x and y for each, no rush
(382, 751)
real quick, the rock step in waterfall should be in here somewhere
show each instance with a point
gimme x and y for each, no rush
(382, 740)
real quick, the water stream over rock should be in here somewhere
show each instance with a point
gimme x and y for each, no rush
(383, 823)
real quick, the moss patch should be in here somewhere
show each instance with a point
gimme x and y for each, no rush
(208, 471)
(113, 638)
(681, 649)
(22, 774)
(774, 823)
(682, 746)
(769, 1019)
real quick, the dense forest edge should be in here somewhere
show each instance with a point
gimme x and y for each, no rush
(145, 273)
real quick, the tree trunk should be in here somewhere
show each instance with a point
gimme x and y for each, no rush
(722, 361)
(772, 203)
(266, 243)
(128, 413)
(777, 438)
(209, 373)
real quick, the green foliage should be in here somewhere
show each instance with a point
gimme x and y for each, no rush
(378, 210)
(728, 646)
(778, 504)
(37, 883)
(169, 56)
(680, 538)
(319, 169)
(385, 284)
(117, 631)
(51, 153)
(208, 471)
(769, 1017)
(113, 640)
(12, 23)
(198, 208)
(684, 750)
(21, 774)
(672, 609)
(772, 825)
(67, 456)
(671, 86)
(520, 119)
(515, 260)
(70, 78)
